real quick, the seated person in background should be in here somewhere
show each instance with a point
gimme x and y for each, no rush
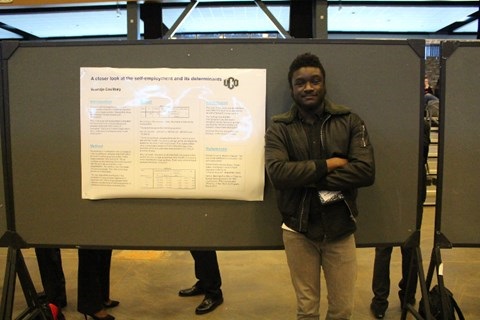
(432, 109)
(428, 88)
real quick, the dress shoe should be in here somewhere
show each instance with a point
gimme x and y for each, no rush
(208, 305)
(190, 292)
(378, 311)
(94, 317)
(111, 304)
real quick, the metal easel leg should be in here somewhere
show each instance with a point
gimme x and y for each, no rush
(407, 307)
(16, 266)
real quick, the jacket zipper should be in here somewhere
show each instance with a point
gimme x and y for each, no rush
(302, 210)
(350, 210)
(321, 132)
(364, 142)
(322, 128)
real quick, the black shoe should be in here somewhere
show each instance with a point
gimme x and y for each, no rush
(378, 311)
(208, 304)
(94, 317)
(190, 292)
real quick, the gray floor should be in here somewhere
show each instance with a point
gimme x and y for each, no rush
(256, 284)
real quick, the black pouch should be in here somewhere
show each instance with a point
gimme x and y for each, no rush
(434, 297)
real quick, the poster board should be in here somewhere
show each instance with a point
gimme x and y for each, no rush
(3, 213)
(380, 80)
(172, 133)
(458, 189)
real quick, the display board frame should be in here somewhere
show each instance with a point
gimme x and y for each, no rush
(457, 184)
(379, 80)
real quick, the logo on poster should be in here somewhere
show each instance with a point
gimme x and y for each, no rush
(230, 83)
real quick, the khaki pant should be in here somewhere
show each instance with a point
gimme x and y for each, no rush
(338, 260)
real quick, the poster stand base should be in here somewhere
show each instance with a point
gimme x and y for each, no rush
(408, 307)
(436, 264)
(16, 266)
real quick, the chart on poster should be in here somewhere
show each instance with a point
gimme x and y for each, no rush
(172, 133)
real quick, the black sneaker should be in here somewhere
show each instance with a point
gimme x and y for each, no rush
(378, 311)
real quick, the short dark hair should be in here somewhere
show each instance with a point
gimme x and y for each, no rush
(304, 60)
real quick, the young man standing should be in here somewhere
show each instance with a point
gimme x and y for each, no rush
(317, 155)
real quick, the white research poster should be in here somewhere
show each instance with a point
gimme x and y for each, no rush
(172, 133)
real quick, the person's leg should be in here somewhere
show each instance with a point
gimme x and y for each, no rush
(90, 300)
(52, 276)
(339, 264)
(105, 261)
(409, 269)
(381, 281)
(208, 275)
(207, 272)
(381, 276)
(303, 258)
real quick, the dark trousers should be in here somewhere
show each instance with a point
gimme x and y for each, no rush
(207, 272)
(93, 279)
(381, 275)
(51, 272)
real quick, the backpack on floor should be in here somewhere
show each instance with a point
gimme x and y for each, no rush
(434, 297)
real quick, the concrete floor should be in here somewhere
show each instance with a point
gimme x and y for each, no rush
(256, 284)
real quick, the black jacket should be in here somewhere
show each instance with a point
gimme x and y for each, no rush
(297, 178)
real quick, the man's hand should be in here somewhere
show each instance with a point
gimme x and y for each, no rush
(334, 163)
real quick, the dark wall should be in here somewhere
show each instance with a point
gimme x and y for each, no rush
(380, 80)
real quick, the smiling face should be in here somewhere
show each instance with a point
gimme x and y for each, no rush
(308, 88)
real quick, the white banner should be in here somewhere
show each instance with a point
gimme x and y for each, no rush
(172, 133)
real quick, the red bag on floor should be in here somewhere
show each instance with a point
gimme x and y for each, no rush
(56, 312)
